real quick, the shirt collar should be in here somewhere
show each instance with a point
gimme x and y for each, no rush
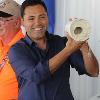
(30, 42)
(17, 37)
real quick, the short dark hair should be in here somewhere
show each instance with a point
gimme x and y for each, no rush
(27, 3)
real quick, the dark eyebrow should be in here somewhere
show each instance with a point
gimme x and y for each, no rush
(31, 16)
(42, 14)
(39, 15)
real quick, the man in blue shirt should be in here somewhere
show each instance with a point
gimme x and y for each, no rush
(42, 61)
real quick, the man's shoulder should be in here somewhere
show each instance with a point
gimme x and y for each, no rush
(54, 37)
(19, 49)
(18, 45)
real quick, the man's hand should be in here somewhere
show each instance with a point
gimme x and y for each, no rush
(72, 44)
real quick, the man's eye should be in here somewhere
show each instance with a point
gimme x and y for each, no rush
(7, 20)
(43, 17)
(31, 19)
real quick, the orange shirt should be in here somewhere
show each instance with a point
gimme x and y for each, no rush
(8, 81)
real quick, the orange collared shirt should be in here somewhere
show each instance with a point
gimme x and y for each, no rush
(8, 81)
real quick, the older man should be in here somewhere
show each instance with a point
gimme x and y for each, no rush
(10, 33)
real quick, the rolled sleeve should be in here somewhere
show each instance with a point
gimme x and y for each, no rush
(77, 62)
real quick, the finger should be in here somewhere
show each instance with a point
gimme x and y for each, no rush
(71, 19)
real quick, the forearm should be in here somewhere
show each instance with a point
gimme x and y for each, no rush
(59, 59)
(91, 63)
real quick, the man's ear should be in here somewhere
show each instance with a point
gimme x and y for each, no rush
(22, 21)
(22, 26)
(18, 22)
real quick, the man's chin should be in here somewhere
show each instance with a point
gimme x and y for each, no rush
(39, 32)
(37, 37)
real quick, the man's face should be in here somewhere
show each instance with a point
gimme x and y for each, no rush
(7, 26)
(35, 21)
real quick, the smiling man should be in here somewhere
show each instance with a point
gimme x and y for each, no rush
(42, 61)
(10, 33)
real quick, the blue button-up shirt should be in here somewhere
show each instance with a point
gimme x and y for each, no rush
(32, 71)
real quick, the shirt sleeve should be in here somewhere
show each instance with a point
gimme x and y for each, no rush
(27, 66)
(77, 62)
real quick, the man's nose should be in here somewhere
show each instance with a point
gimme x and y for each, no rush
(37, 21)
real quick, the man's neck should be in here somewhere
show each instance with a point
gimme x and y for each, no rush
(41, 43)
